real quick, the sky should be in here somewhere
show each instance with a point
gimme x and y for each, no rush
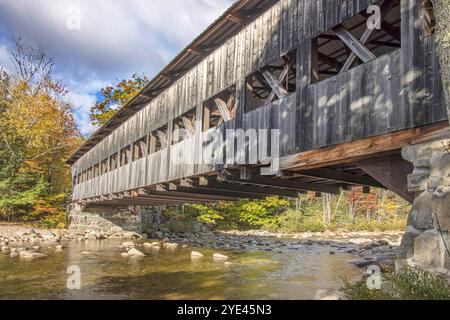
(95, 43)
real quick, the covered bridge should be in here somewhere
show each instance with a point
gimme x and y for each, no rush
(339, 86)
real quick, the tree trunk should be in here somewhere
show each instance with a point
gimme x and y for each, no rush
(442, 14)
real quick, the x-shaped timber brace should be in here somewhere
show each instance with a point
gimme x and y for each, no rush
(277, 86)
(356, 48)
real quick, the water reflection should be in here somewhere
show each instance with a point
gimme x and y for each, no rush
(172, 274)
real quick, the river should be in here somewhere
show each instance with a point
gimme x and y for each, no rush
(172, 275)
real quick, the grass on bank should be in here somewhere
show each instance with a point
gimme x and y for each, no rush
(411, 283)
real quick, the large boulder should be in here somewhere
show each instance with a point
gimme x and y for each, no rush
(406, 250)
(421, 216)
(429, 250)
(441, 206)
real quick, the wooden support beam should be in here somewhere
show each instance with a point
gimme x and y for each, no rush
(354, 44)
(284, 174)
(315, 76)
(186, 183)
(364, 148)
(173, 187)
(235, 195)
(160, 187)
(206, 118)
(391, 171)
(281, 78)
(276, 86)
(264, 191)
(197, 52)
(287, 184)
(330, 61)
(163, 139)
(223, 109)
(246, 173)
(203, 181)
(340, 177)
(386, 44)
(189, 127)
(237, 18)
(152, 143)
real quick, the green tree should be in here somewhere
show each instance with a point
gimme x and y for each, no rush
(113, 97)
(37, 134)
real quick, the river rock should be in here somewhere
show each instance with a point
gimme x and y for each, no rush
(135, 253)
(151, 245)
(36, 248)
(85, 253)
(171, 246)
(128, 244)
(5, 249)
(59, 248)
(21, 233)
(219, 257)
(48, 236)
(30, 255)
(124, 254)
(328, 295)
(359, 241)
(362, 263)
(13, 254)
(196, 255)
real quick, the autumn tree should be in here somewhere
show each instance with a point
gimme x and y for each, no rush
(37, 133)
(113, 97)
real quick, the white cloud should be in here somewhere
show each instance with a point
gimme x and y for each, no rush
(5, 59)
(117, 38)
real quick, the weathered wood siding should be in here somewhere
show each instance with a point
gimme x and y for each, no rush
(397, 91)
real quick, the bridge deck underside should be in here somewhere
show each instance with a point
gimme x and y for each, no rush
(230, 185)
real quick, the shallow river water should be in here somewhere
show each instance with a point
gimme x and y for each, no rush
(172, 275)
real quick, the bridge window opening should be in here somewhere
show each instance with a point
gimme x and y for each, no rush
(84, 176)
(184, 127)
(220, 109)
(113, 162)
(96, 171)
(125, 156)
(356, 41)
(158, 140)
(429, 19)
(275, 81)
(79, 179)
(140, 149)
(104, 167)
(89, 174)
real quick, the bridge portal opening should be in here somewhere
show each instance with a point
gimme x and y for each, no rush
(274, 81)
(371, 33)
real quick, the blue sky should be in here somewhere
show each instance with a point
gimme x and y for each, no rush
(116, 38)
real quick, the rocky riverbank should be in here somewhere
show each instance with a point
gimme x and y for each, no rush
(368, 247)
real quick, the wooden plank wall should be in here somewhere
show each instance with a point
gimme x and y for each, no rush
(397, 91)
